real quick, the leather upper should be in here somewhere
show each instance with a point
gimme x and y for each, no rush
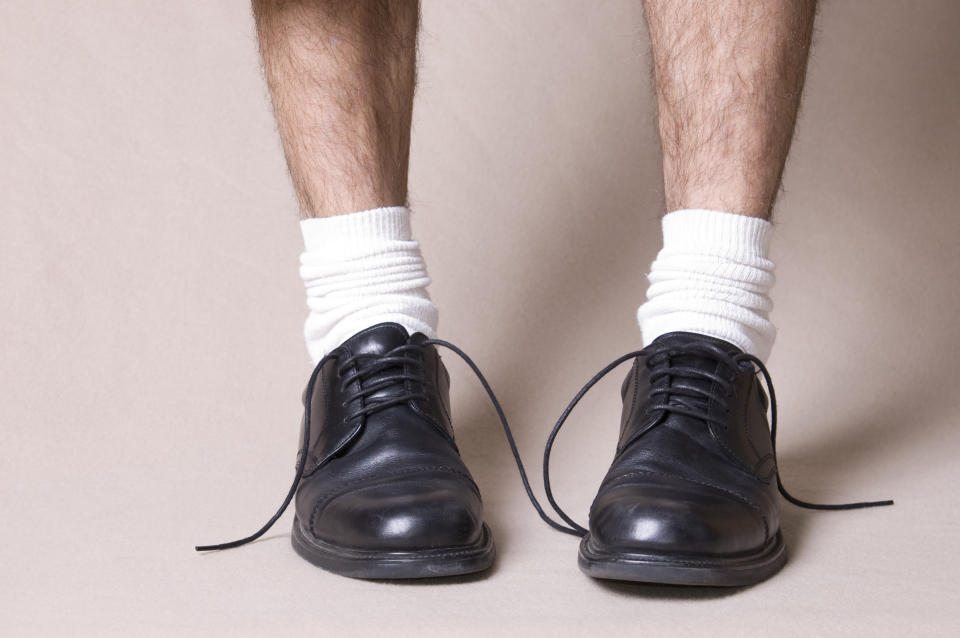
(688, 485)
(390, 479)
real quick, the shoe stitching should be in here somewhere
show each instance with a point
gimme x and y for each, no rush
(703, 447)
(636, 387)
(418, 409)
(436, 380)
(711, 410)
(761, 458)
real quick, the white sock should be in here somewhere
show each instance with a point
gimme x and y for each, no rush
(712, 277)
(363, 269)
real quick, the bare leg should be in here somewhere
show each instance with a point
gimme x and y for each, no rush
(729, 76)
(696, 471)
(341, 74)
(398, 502)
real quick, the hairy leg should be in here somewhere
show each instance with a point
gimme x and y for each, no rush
(341, 75)
(729, 76)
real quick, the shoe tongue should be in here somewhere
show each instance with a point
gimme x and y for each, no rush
(378, 340)
(681, 339)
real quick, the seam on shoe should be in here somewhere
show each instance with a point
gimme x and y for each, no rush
(436, 381)
(326, 498)
(739, 466)
(761, 458)
(716, 437)
(739, 497)
(633, 377)
(313, 458)
(635, 373)
(418, 409)
(746, 434)
(769, 475)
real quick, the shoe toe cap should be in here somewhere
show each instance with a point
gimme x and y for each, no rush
(676, 517)
(403, 516)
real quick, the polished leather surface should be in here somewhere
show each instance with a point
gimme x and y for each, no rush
(681, 485)
(391, 480)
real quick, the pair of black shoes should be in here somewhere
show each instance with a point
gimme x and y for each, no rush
(691, 497)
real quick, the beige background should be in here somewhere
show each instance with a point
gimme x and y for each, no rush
(151, 359)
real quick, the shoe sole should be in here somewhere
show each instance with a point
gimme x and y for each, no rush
(376, 564)
(668, 569)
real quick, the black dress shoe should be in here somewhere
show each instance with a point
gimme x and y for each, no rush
(381, 490)
(384, 492)
(691, 496)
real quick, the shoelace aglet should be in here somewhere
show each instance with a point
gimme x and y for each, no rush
(790, 498)
(839, 506)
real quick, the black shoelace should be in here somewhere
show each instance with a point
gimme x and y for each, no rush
(411, 369)
(688, 400)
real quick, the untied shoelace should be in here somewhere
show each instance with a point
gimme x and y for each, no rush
(688, 400)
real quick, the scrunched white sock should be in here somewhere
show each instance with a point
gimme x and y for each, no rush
(712, 277)
(362, 269)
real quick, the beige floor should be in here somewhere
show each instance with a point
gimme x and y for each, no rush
(151, 360)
